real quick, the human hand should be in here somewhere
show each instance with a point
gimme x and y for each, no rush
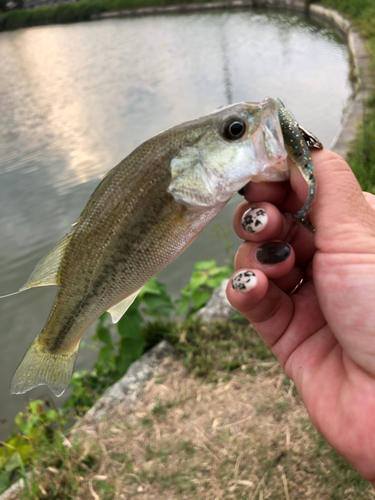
(324, 334)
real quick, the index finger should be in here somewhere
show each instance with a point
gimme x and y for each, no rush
(288, 196)
(273, 192)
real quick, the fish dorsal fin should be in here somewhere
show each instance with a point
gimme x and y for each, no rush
(120, 309)
(45, 272)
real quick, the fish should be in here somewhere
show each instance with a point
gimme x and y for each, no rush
(145, 212)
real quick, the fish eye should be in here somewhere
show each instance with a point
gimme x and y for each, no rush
(234, 129)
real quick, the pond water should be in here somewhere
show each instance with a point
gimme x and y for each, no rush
(76, 99)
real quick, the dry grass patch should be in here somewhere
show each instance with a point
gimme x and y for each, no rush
(248, 437)
(221, 422)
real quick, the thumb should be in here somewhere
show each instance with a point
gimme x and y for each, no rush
(342, 217)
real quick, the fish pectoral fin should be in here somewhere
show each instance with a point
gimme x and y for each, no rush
(120, 309)
(45, 272)
(42, 367)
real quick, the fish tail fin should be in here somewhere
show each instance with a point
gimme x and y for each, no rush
(42, 367)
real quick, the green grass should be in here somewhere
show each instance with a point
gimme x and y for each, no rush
(75, 12)
(361, 158)
(170, 446)
(213, 350)
(358, 10)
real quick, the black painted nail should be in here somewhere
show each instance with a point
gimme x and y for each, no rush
(273, 252)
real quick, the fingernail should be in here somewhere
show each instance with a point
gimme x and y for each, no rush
(243, 281)
(254, 220)
(273, 252)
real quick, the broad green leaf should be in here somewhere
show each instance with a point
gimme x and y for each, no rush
(12, 443)
(200, 298)
(122, 364)
(216, 270)
(106, 355)
(36, 406)
(25, 452)
(215, 282)
(130, 350)
(183, 304)
(158, 305)
(104, 335)
(222, 270)
(36, 420)
(163, 291)
(152, 286)
(4, 481)
(129, 325)
(104, 318)
(25, 428)
(205, 265)
(12, 463)
(134, 306)
(198, 280)
(52, 415)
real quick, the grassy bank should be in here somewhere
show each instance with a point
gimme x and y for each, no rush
(224, 423)
(75, 12)
(362, 155)
(223, 418)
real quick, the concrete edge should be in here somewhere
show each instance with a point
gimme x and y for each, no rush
(125, 390)
(360, 59)
(13, 489)
(361, 68)
(297, 5)
(129, 386)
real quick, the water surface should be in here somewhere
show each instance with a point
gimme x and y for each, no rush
(76, 99)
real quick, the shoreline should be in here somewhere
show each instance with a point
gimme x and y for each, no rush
(294, 5)
(360, 62)
(359, 58)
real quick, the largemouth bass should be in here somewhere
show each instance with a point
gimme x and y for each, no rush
(145, 212)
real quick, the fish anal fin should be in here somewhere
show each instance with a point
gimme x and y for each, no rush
(41, 367)
(46, 271)
(120, 309)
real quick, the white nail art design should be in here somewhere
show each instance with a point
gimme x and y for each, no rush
(244, 281)
(254, 220)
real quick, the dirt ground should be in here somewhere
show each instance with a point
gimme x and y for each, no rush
(244, 437)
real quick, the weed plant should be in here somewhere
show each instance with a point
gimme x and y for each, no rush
(74, 12)
(361, 158)
(238, 432)
(146, 322)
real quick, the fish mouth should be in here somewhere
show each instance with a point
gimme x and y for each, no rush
(211, 170)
